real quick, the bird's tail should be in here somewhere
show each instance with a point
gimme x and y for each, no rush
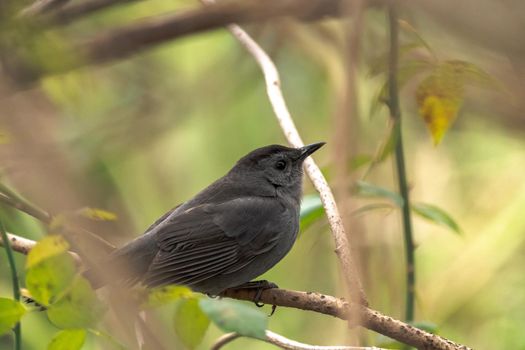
(126, 265)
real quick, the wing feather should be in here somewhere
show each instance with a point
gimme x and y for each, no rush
(211, 240)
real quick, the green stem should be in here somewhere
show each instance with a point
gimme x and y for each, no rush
(395, 114)
(16, 286)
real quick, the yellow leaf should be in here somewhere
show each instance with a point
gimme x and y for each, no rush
(438, 113)
(46, 248)
(167, 294)
(97, 214)
(439, 97)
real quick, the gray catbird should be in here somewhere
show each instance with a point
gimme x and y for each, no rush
(231, 232)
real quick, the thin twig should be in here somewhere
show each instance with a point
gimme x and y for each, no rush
(16, 285)
(223, 340)
(287, 344)
(328, 305)
(273, 89)
(395, 115)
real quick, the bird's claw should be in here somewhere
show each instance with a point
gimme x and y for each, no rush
(260, 287)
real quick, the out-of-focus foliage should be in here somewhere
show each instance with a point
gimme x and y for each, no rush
(440, 94)
(435, 214)
(233, 316)
(68, 339)
(163, 295)
(11, 311)
(190, 322)
(137, 137)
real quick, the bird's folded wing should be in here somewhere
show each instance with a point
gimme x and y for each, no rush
(214, 239)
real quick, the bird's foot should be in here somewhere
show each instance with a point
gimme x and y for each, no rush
(259, 286)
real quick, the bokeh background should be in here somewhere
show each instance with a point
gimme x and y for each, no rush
(138, 136)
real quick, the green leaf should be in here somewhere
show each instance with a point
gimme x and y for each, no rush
(49, 279)
(473, 75)
(11, 311)
(232, 316)
(68, 339)
(311, 210)
(167, 294)
(47, 247)
(436, 215)
(190, 322)
(388, 145)
(78, 308)
(368, 190)
(97, 214)
(360, 160)
(406, 71)
(372, 207)
(404, 25)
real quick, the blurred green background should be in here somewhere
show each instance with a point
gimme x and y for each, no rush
(139, 136)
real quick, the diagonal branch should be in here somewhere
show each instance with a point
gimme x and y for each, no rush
(324, 304)
(273, 89)
(124, 41)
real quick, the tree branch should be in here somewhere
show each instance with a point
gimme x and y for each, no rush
(324, 304)
(127, 40)
(287, 344)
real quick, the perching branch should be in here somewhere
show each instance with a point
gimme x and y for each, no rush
(287, 344)
(273, 89)
(324, 304)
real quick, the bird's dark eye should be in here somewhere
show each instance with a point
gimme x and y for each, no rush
(280, 165)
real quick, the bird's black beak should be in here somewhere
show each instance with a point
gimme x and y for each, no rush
(309, 149)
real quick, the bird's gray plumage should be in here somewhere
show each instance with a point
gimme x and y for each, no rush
(231, 232)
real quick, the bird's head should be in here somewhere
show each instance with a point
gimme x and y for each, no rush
(277, 165)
